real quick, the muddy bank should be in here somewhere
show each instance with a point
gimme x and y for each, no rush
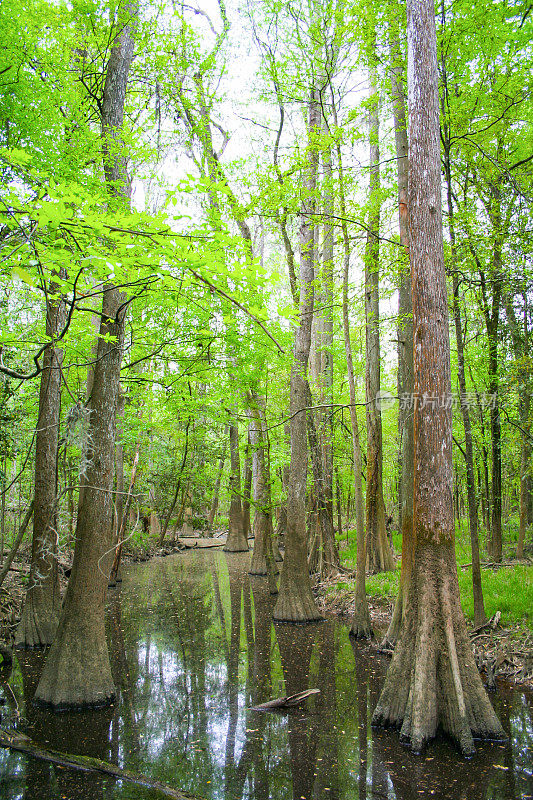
(501, 650)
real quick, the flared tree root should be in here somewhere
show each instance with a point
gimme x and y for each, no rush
(77, 673)
(433, 682)
(361, 627)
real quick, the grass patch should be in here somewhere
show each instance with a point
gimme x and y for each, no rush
(507, 589)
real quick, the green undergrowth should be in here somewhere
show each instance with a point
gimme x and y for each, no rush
(507, 589)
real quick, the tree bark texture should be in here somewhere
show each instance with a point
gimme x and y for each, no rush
(77, 671)
(432, 680)
(328, 553)
(405, 339)
(42, 603)
(263, 555)
(327, 314)
(236, 541)
(379, 554)
(295, 600)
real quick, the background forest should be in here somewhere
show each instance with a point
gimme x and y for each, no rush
(247, 215)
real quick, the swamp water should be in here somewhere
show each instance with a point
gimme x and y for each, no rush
(192, 648)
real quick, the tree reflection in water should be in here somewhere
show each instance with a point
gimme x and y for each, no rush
(193, 649)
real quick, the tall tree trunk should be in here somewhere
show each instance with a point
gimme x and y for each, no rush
(361, 627)
(42, 603)
(126, 510)
(525, 466)
(119, 463)
(432, 680)
(326, 355)
(378, 548)
(405, 341)
(216, 490)
(496, 439)
(295, 601)
(328, 556)
(247, 491)
(479, 609)
(179, 482)
(263, 555)
(77, 672)
(236, 541)
(520, 340)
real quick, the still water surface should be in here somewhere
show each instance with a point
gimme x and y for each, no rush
(193, 649)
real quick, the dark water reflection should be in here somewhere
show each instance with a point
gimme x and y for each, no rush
(193, 649)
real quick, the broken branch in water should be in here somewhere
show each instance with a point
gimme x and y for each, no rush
(23, 744)
(288, 701)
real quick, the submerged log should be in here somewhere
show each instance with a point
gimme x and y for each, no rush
(289, 701)
(23, 744)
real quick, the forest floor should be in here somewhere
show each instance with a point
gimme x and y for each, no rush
(501, 649)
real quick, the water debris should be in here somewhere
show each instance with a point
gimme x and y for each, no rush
(288, 701)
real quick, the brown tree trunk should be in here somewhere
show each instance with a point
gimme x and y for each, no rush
(295, 600)
(285, 477)
(432, 680)
(405, 342)
(77, 672)
(236, 541)
(496, 437)
(42, 603)
(379, 553)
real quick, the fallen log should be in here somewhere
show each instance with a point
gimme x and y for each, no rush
(200, 544)
(289, 701)
(14, 740)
